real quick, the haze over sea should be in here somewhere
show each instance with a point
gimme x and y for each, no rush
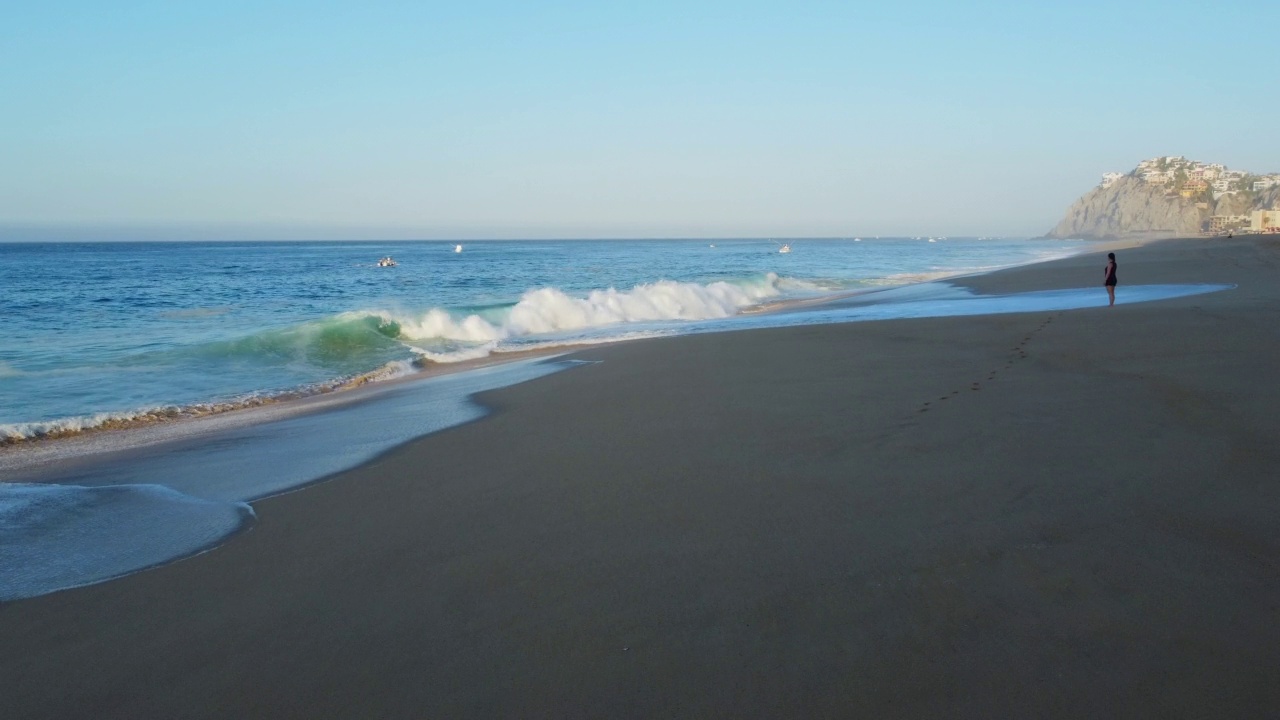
(103, 331)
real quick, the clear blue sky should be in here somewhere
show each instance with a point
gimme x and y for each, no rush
(552, 119)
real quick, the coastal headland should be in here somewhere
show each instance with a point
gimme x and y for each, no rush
(1172, 196)
(1041, 514)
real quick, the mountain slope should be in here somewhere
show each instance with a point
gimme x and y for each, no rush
(1132, 208)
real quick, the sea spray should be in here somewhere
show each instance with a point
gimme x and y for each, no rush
(550, 310)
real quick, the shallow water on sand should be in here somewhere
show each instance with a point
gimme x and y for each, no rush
(103, 333)
(133, 508)
(139, 507)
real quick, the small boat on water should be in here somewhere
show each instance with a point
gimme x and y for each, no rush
(786, 248)
(386, 262)
(457, 248)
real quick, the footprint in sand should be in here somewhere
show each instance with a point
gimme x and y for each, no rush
(1022, 354)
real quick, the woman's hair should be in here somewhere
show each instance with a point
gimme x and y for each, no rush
(1111, 256)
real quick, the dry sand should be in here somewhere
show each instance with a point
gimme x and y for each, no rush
(1057, 514)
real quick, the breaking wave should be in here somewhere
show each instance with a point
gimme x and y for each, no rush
(335, 353)
(63, 427)
(548, 311)
(359, 339)
(343, 342)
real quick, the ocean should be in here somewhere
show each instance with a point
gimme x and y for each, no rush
(147, 335)
(125, 333)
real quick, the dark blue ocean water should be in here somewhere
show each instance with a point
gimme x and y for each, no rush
(95, 331)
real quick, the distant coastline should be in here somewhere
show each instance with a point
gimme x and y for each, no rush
(1172, 196)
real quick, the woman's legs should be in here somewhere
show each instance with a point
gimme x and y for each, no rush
(1111, 294)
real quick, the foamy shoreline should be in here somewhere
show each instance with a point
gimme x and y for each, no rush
(1066, 510)
(25, 445)
(278, 445)
(170, 424)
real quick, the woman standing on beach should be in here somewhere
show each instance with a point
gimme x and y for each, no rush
(1109, 277)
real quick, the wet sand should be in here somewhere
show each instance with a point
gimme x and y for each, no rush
(1052, 514)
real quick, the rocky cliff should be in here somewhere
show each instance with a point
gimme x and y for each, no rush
(1132, 208)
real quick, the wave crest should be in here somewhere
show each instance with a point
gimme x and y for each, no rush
(345, 343)
(552, 310)
(12, 433)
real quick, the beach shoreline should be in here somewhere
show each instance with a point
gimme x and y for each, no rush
(27, 456)
(157, 426)
(1058, 514)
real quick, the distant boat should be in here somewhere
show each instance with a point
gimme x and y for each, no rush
(933, 240)
(857, 239)
(457, 248)
(712, 245)
(386, 262)
(785, 248)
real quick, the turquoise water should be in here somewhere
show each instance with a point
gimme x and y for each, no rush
(102, 331)
(120, 512)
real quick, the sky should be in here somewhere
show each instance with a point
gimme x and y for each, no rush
(489, 119)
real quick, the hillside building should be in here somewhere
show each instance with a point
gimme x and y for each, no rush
(1265, 221)
(1224, 223)
(1193, 187)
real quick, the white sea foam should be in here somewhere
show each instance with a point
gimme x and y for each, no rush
(439, 324)
(790, 285)
(389, 371)
(470, 353)
(72, 425)
(439, 337)
(550, 311)
(568, 342)
(61, 427)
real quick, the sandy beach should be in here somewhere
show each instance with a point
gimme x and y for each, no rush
(1049, 514)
